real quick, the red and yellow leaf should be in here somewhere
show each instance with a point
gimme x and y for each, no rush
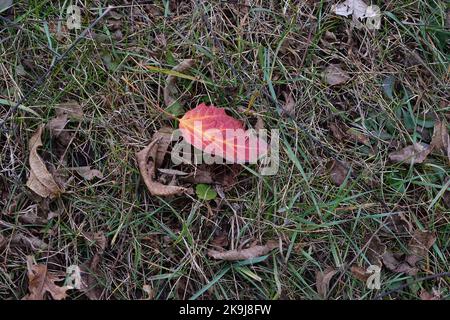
(214, 132)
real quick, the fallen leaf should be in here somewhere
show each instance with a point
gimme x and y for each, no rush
(416, 153)
(288, 107)
(359, 273)
(323, 281)
(441, 138)
(418, 248)
(244, 254)
(146, 159)
(28, 241)
(73, 279)
(338, 172)
(375, 251)
(89, 274)
(210, 129)
(396, 263)
(41, 281)
(334, 75)
(64, 112)
(149, 291)
(425, 295)
(169, 89)
(88, 173)
(164, 137)
(40, 179)
(356, 8)
(200, 175)
(419, 245)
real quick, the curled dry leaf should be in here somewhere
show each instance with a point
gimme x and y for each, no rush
(334, 75)
(416, 153)
(171, 81)
(323, 281)
(244, 254)
(40, 179)
(41, 281)
(147, 159)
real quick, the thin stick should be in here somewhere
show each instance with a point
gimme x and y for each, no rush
(44, 77)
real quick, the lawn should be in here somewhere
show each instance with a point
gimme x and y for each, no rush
(362, 114)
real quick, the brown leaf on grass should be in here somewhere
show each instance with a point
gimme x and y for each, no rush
(334, 75)
(375, 251)
(41, 281)
(359, 273)
(243, 254)
(201, 175)
(28, 241)
(147, 159)
(288, 107)
(40, 179)
(171, 81)
(419, 245)
(418, 248)
(89, 274)
(64, 112)
(338, 172)
(323, 281)
(87, 173)
(415, 153)
(397, 224)
(425, 295)
(441, 138)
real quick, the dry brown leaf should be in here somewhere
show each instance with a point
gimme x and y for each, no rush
(146, 159)
(441, 138)
(41, 281)
(338, 172)
(28, 241)
(425, 295)
(200, 175)
(323, 281)
(397, 224)
(244, 254)
(289, 103)
(64, 112)
(40, 180)
(334, 75)
(375, 251)
(360, 273)
(89, 284)
(171, 81)
(419, 245)
(415, 153)
(418, 248)
(88, 173)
